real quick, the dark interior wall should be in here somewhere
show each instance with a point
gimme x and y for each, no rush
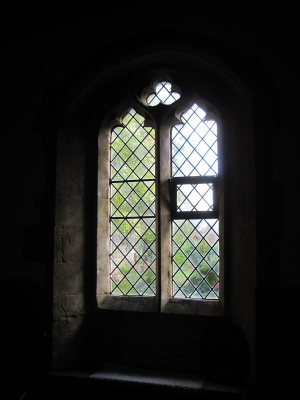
(44, 47)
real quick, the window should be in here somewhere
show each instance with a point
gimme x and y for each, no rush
(159, 209)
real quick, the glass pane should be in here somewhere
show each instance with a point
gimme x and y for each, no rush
(196, 258)
(132, 199)
(195, 197)
(195, 243)
(163, 94)
(133, 227)
(133, 150)
(133, 256)
(194, 145)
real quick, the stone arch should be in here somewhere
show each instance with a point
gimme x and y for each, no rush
(233, 84)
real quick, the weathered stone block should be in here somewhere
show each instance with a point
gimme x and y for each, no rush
(58, 249)
(69, 210)
(72, 244)
(75, 304)
(65, 306)
(59, 307)
(68, 278)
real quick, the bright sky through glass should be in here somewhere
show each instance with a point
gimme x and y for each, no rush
(195, 197)
(194, 145)
(163, 95)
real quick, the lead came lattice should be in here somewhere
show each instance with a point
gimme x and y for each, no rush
(195, 197)
(194, 145)
(133, 226)
(196, 258)
(195, 242)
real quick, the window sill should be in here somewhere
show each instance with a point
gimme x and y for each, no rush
(170, 305)
(147, 380)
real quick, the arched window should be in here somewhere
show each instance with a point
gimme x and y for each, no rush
(162, 228)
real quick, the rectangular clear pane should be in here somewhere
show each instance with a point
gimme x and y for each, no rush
(195, 197)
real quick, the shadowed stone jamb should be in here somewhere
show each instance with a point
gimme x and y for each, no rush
(68, 278)
(69, 240)
(69, 210)
(70, 170)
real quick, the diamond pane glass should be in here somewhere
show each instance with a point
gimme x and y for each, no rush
(195, 258)
(194, 145)
(133, 150)
(133, 226)
(163, 94)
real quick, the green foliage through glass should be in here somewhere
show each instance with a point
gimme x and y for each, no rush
(196, 258)
(133, 226)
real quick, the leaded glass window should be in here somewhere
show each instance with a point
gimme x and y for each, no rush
(138, 245)
(163, 94)
(195, 240)
(133, 220)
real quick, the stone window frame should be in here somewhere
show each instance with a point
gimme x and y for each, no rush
(162, 118)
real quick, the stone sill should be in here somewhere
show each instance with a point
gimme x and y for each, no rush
(155, 381)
